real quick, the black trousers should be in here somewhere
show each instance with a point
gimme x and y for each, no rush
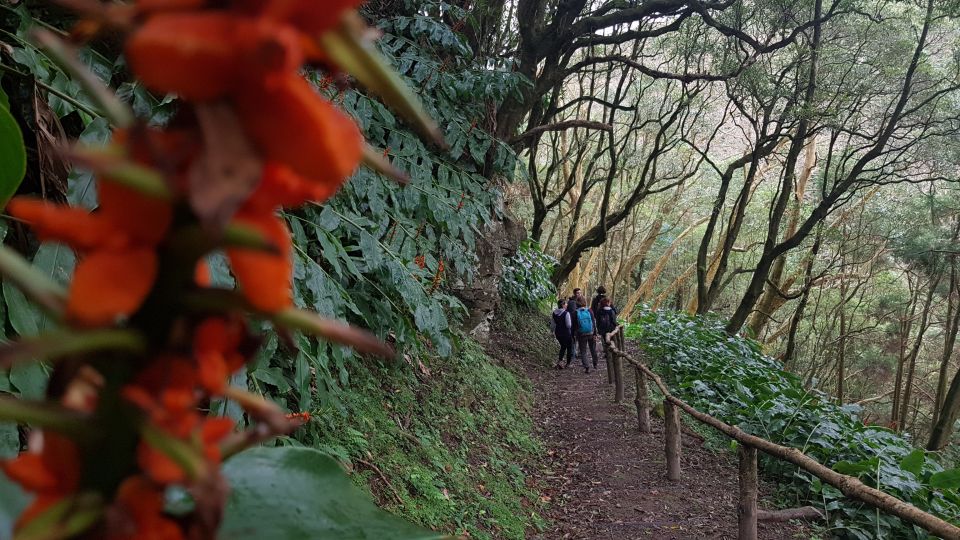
(566, 348)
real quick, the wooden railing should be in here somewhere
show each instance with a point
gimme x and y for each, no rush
(747, 512)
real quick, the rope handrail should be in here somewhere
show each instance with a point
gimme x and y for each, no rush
(848, 485)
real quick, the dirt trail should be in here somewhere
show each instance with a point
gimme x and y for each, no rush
(605, 480)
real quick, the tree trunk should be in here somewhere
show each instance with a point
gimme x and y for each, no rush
(915, 351)
(771, 300)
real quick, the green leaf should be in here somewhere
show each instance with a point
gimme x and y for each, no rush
(13, 156)
(25, 318)
(81, 189)
(295, 493)
(948, 479)
(913, 462)
(4, 100)
(29, 379)
(9, 441)
(13, 501)
(57, 261)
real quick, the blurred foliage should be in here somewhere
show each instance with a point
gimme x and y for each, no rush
(378, 255)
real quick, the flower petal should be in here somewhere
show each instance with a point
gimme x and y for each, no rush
(30, 471)
(281, 187)
(292, 125)
(59, 223)
(144, 218)
(264, 278)
(140, 503)
(195, 55)
(158, 466)
(109, 284)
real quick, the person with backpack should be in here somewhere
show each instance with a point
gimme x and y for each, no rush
(586, 334)
(563, 331)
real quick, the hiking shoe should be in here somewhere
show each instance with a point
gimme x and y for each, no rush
(586, 370)
(594, 365)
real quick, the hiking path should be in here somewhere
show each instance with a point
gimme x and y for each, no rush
(603, 479)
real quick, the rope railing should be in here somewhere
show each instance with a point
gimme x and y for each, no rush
(614, 346)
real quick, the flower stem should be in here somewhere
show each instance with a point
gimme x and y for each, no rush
(44, 415)
(57, 344)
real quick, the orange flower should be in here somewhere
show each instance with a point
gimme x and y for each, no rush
(216, 345)
(281, 187)
(58, 223)
(107, 284)
(117, 244)
(202, 46)
(263, 277)
(201, 274)
(207, 435)
(213, 431)
(215, 52)
(140, 513)
(52, 472)
(166, 391)
(291, 124)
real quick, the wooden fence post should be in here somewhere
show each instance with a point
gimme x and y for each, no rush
(671, 436)
(642, 401)
(618, 366)
(747, 511)
(609, 356)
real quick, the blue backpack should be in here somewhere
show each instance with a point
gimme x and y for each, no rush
(584, 321)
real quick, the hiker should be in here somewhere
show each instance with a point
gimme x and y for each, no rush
(606, 316)
(563, 331)
(586, 334)
(572, 311)
(595, 303)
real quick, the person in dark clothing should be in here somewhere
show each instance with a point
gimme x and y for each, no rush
(563, 330)
(586, 334)
(606, 316)
(595, 303)
(606, 323)
(572, 311)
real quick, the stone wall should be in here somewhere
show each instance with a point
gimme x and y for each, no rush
(482, 295)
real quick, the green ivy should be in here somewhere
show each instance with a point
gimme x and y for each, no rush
(731, 379)
(526, 275)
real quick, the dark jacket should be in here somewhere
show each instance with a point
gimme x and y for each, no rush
(595, 303)
(563, 325)
(572, 310)
(606, 319)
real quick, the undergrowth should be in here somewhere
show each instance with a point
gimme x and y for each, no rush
(523, 332)
(442, 443)
(731, 379)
